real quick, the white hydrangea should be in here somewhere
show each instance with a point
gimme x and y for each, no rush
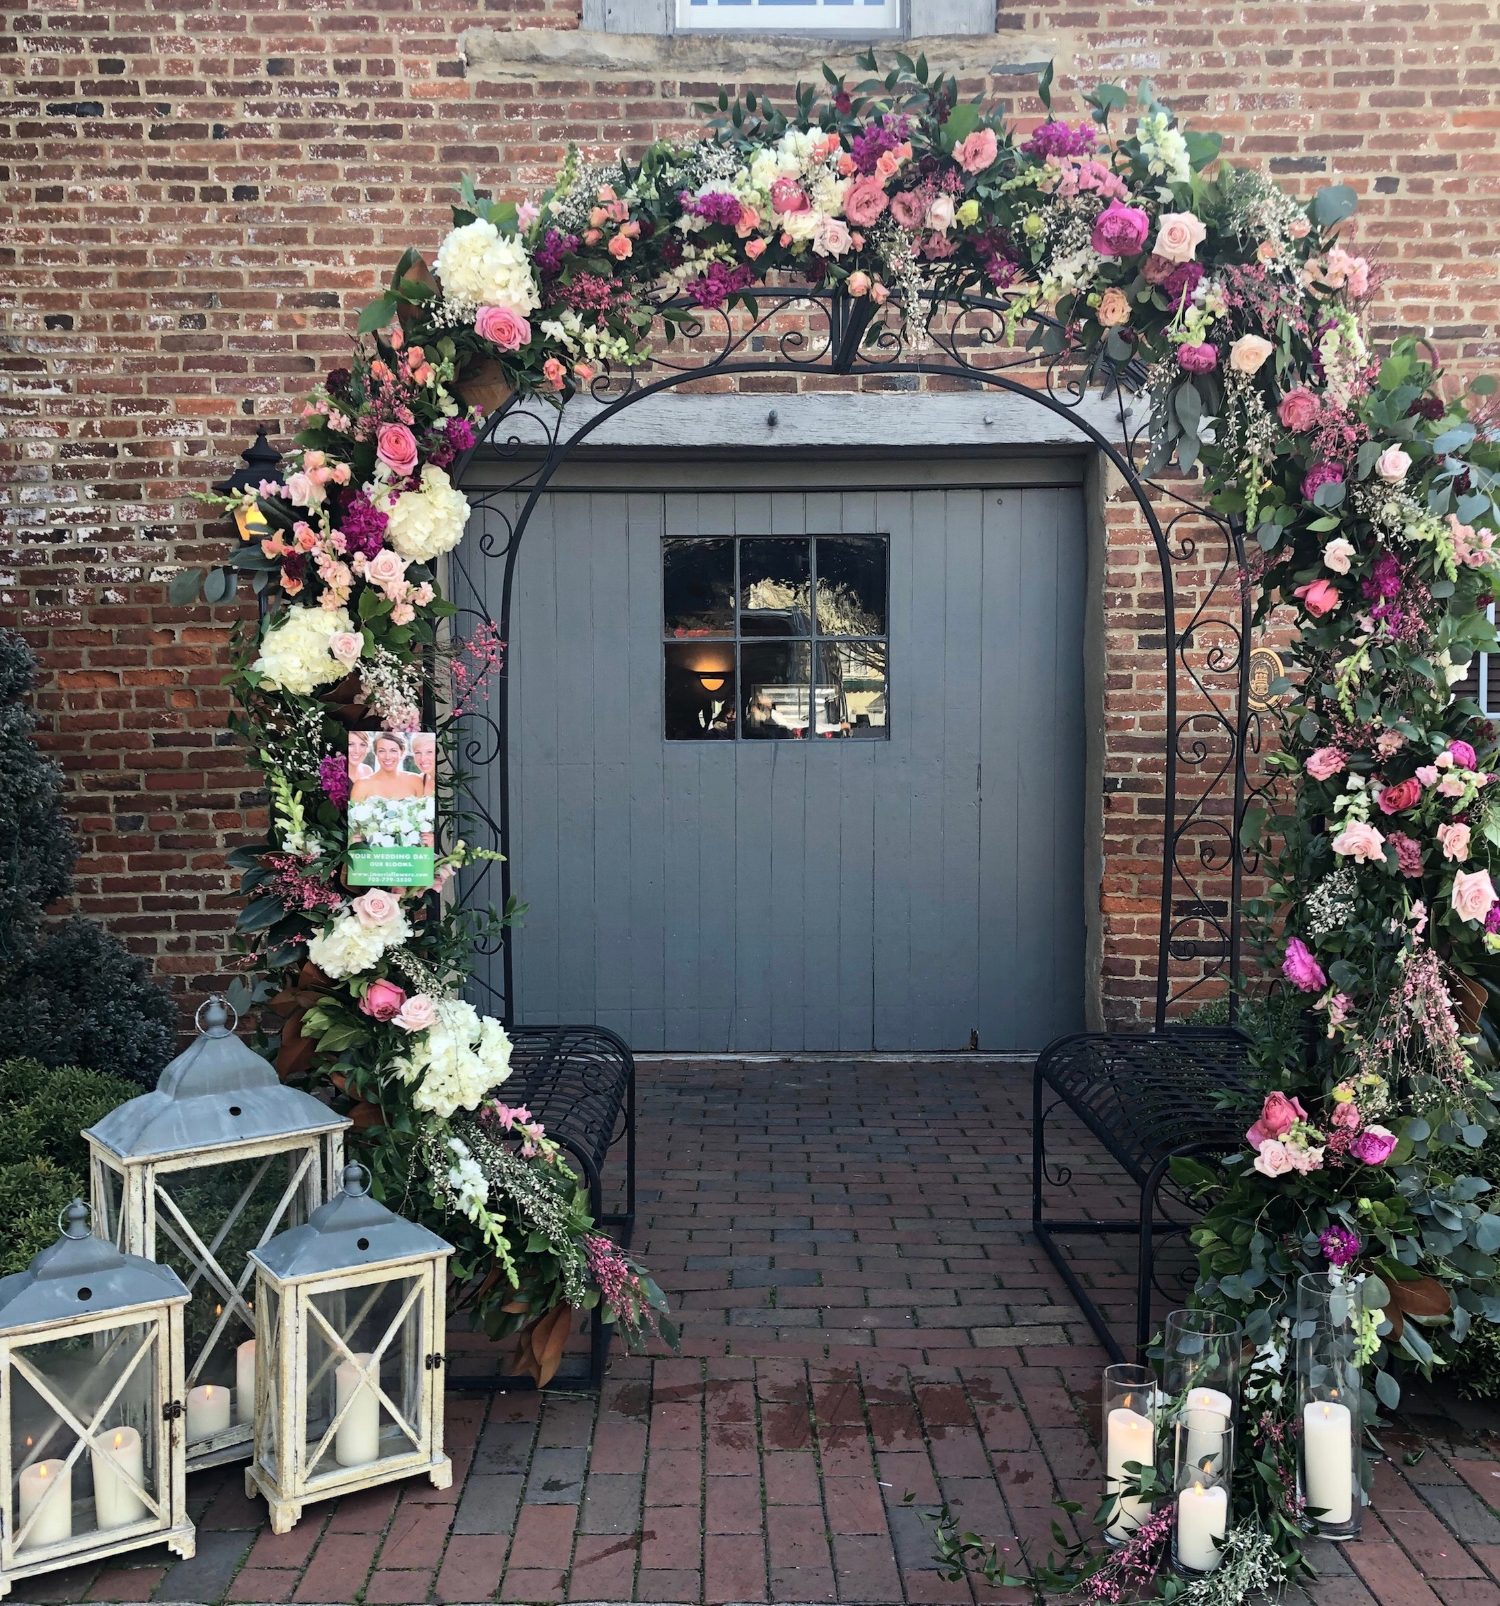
(481, 267)
(294, 655)
(429, 521)
(348, 947)
(467, 1180)
(457, 1060)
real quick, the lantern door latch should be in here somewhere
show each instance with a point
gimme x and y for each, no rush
(434, 1361)
(172, 1409)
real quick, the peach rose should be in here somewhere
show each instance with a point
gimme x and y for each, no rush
(1114, 308)
(1248, 354)
(376, 908)
(620, 247)
(1178, 236)
(859, 283)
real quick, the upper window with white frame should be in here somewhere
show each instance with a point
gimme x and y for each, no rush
(781, 16)
(870, 20)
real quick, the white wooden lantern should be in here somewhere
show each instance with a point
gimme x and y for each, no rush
(198, 1173)
(349, 1312)
(91, 1379)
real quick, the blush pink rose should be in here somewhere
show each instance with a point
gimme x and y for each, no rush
(1346, 1116)
(907, 209)
(383, 1000)
(1397, 799)
(976, 151)
(1298, 410)
(376, 908)
(1473, 894)
(346, 646)
(417, 1013)
(396, 447)
(1361, 842)
(1273, 1159)
(386, 569)
(1248, 354)
(1454, 841)
(864, 201)
(1318, 597)
(1178, 236)
(1323, 763)
(1392, 464)
(503, 328)
(1120, 231)
(1278, 1115)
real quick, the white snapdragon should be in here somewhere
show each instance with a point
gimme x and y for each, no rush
(295, 655)
(466, 1179)
(480, 267)
(429, 521)
(1164, 148)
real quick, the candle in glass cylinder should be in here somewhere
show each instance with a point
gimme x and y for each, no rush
(54, 1520)
(1131, 1438)
(358, 1436)
(1328, 1461)
(244, 1381)
(1202, 1516)
(1206, 1413)
(207, 1411)
(118, 1458)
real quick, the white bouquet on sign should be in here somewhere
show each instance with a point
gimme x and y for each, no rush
(391, 822)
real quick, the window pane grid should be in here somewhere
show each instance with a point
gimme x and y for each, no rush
(805, 651)
(783, 14)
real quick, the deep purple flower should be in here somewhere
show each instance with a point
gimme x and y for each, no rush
(555, 248)
(713, 206)
(1384, 579)
(333, 777)
(457, 436)
(1338, 1244)
(363, 525)
(1183, 280)
(868, 146)
(1321, 474)
(1059, 139)
(714, 287)
(337, 383)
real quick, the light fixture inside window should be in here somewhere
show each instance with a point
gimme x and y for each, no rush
(711, 682)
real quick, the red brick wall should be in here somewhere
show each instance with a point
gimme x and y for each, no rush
(196, 199)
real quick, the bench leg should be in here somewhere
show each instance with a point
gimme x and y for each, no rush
(1146, 1256)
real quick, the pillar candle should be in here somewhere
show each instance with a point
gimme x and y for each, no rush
(1328, 1461)
(50, 1481)
(207, 1411)
(1202, 1516)
(1131, 1438)
(358, 1436)
(244, 1381)
(116, 1503)
(1206, 1414)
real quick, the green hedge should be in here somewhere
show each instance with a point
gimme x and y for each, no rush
(43, 1111)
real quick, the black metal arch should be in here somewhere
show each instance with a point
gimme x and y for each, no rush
(1199, 842)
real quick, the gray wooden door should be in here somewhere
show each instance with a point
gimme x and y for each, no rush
(896, 891)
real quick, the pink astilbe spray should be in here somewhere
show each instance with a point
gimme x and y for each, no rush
(1127, 1571)
(476, 662)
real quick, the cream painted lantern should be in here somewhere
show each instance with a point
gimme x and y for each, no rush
(350, 1313)
(196, 1174)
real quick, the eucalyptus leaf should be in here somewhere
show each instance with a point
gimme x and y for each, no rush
(1333, 204)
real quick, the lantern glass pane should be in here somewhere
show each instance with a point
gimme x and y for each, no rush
(64, 1399)
(109, 1205)
(208, 1218)
(268, 1344)
(345, 1328)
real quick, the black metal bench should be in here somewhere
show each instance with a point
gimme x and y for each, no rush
(579, 1082)
(1147, 1097)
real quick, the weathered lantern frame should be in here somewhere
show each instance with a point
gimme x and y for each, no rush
(83, 1289)
(217, 1105)
(352, 1250)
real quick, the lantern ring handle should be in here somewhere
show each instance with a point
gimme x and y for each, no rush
(74, 1214)
(221, 1013)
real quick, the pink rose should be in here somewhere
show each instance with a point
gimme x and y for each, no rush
(864, 201)
(396, 447)
(907, 209)
(940, 214)
(976, 151)
(788, 196)
(1454, 841)
(756, 248)
(1427, 774)
(503, 328)
(859, 283)
(1120, 231)
(1273, 1159)
(1248, 354)
(417, 1013)
(1473, 894)
(1392, 464)
(831, 238)
(386, 569)
(346, 646)
(1323, 763)
(376, 908)
(1374, 1145)
(554, 373)
(1463, 754)
(1302, 969)
(1397, 799)
(383, 1000)
(1361, 842)
(1298, 410)
(1197, 359)
(1178, 236)
(620, 247)
(1318, 597)
(1346, 1116)
(1278, 1115)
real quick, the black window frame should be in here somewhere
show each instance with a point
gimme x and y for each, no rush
(816, 640)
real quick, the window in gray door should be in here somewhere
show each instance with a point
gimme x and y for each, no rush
(775, 637)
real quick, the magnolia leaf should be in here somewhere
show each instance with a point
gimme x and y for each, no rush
(377, 315)
(1202, 148)
(1423, 1299)
(1333, 204)
(260, 914)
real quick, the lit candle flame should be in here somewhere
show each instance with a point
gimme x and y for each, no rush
(119, 1440)
(1197, 1488)
(42, 1471)
(1128, 1399)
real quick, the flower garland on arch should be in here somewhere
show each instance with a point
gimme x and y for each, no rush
(1366, 484)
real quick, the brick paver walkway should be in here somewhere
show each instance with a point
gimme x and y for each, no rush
(868, 1330)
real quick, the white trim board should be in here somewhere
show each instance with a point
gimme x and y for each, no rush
(876, 422)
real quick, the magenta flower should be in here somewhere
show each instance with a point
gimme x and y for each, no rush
(333, 777)
(1120, 231)
(1301, 969)
(1319, 475)
(1338, 1244)
(1199, 359)
(1374, 1145)
(1463, 754)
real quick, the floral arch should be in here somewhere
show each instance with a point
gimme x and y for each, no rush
(919, 234)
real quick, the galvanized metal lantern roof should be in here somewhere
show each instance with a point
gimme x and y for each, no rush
(81, 1275)
(217, 1092)
(352, 1231)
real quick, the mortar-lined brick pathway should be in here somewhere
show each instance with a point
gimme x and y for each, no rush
(868, 1331)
